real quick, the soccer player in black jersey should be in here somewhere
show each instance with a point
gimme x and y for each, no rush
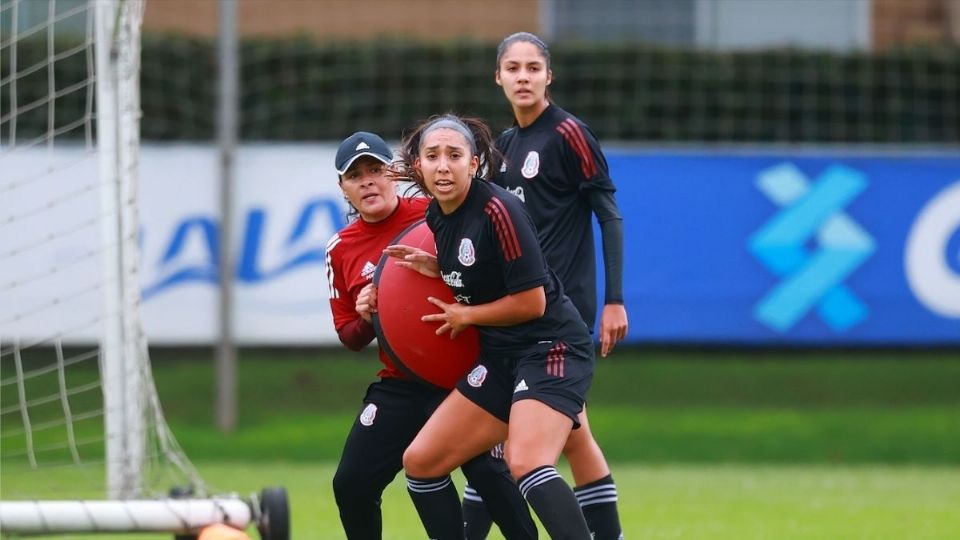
(395, 407)
(554, 164)
(536, 354)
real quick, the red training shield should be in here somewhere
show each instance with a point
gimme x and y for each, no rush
(412, 344)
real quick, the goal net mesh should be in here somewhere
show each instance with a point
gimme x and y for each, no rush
(73, 354)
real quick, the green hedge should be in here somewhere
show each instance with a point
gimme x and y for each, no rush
(295, 89)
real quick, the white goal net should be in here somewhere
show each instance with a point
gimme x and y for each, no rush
(79, 414)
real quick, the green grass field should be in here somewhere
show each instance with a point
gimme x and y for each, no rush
(712, 445)
(669, 501)
(703, 502)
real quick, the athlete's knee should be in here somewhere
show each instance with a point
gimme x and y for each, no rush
(520, 461)
(419, 461)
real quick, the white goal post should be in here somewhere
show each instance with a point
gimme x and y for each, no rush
(70, 293)
(117, 26)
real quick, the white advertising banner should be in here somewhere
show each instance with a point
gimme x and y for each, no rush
(287, 205)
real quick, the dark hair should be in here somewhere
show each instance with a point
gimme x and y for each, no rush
(481, 146)
(523, 36)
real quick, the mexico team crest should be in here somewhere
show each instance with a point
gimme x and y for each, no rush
(368, 415)
(531, 165)
(466, 255)
(477, 376)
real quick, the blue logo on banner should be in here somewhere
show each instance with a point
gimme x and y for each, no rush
(812, 213)
(182, 264)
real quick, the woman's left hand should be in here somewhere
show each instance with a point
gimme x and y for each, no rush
(454, 317)
(613, 327)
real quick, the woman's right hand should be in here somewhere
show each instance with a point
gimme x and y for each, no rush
(366, 304)
(414, 259)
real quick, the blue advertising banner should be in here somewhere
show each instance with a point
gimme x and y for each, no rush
(763, 249)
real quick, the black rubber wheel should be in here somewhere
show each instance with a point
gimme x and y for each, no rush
(274, 523)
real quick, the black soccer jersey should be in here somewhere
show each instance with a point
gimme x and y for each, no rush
(551, 165)
(486, 249)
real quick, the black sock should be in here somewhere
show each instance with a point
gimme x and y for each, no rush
(497, 491)
(476, 518)
(438, 504)
(598, 500)
(553, 501)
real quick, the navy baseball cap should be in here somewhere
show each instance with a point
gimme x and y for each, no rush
(361, 143)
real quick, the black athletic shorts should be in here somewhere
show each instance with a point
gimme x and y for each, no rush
(552, 372)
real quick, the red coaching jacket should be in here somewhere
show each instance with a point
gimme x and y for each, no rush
(352, 257)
